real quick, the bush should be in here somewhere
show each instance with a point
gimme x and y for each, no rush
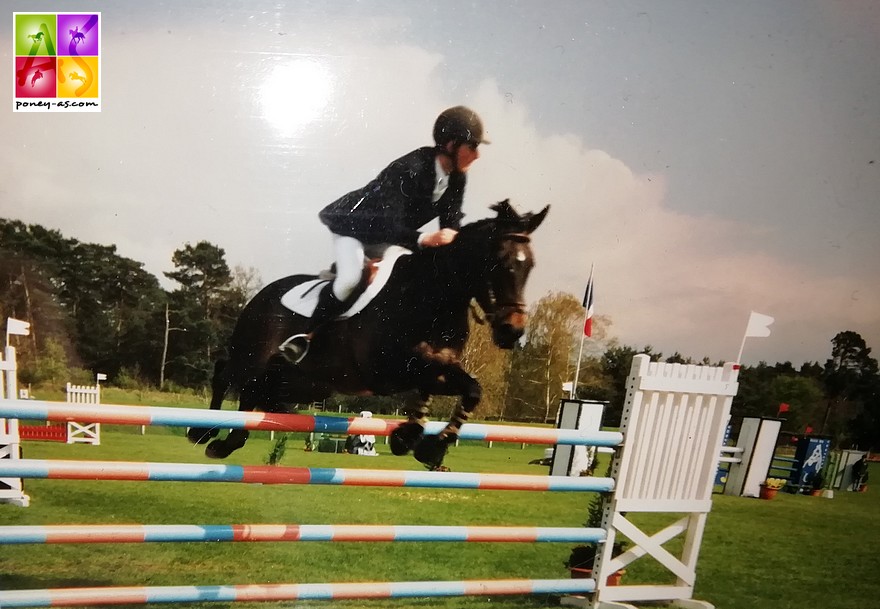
(278, 450)
(130, 378)
(50, 368)
(80, 376)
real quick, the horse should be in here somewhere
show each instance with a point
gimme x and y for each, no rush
(76, 36)
(407, 340)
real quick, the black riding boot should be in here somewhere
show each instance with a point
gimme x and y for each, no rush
(295, 348)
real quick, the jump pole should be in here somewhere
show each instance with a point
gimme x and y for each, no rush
(289, 592)
(179, 533)
(119, 414)
(271, 474)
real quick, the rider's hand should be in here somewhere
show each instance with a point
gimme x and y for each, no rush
(444, 236)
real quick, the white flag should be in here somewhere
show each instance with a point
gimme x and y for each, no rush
(16, 326)
(759, 325)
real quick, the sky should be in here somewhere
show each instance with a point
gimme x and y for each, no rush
(708, 159)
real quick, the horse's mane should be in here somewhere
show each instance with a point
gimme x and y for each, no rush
(507, 221)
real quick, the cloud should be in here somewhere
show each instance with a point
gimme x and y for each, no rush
(676, 281)
(182, 152)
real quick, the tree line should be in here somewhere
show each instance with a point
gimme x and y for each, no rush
(92, 310)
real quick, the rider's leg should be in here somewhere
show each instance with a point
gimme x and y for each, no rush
(349, 253)
(332, 300)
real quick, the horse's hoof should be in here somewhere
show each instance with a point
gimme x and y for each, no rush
(404, 438)
(200, 435)
(431, 450)
(217, 450)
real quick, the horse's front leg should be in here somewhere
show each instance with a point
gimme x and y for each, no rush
(405, 436)
(452, 380)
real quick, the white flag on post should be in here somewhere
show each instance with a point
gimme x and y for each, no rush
(16, 326)
(759, 325)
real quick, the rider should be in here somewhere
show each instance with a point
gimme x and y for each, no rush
(427, 183)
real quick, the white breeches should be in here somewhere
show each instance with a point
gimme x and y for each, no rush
(349, 253)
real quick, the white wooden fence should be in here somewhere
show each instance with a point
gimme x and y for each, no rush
(83, 433)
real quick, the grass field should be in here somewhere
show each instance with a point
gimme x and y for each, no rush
(791, 552)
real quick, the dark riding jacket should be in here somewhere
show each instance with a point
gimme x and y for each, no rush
(392, 207)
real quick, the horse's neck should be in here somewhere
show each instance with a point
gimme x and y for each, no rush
(449, 273)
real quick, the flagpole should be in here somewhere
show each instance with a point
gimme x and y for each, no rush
(741, 347)
(577, 368)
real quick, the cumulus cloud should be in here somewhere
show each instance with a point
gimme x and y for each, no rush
(183, 152)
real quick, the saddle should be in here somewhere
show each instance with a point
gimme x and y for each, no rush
(303, 298)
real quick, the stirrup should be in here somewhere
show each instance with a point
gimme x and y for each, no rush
(295, 348)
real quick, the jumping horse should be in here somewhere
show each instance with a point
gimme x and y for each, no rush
(408, 339)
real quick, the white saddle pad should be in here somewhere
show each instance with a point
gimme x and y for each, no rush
(303, 298)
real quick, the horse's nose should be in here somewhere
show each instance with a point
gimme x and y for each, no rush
(510, 330)
(517, 320)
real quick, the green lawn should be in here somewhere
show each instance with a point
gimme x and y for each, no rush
(791, 552)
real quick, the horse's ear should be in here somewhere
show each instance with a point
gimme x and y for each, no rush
(534, 220)
(505, 210)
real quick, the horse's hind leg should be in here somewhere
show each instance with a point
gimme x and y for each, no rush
(219, 386)
(251, 396)
(220, 449)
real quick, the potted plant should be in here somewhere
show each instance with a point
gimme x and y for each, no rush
(770, 487)
(580, 561)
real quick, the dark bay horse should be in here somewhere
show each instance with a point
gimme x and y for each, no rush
(409, 338)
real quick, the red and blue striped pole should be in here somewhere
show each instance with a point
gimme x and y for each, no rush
(70, 597)
(289, 592)
(269, 474)
(118, 414)
(180, 533)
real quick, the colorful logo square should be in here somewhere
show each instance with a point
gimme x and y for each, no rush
(35, 34)
(77, 77)
(56, 62)
(78, 35)
(36, 77)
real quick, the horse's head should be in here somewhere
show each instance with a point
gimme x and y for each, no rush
(508, 263)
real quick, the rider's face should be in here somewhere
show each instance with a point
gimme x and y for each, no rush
(466, 155)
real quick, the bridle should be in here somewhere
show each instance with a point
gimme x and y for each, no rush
(491, 307)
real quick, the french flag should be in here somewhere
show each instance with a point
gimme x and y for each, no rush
(588, 305)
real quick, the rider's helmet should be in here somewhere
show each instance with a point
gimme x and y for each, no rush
(459, 125)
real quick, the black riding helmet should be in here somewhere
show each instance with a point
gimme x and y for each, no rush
(460, 125)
